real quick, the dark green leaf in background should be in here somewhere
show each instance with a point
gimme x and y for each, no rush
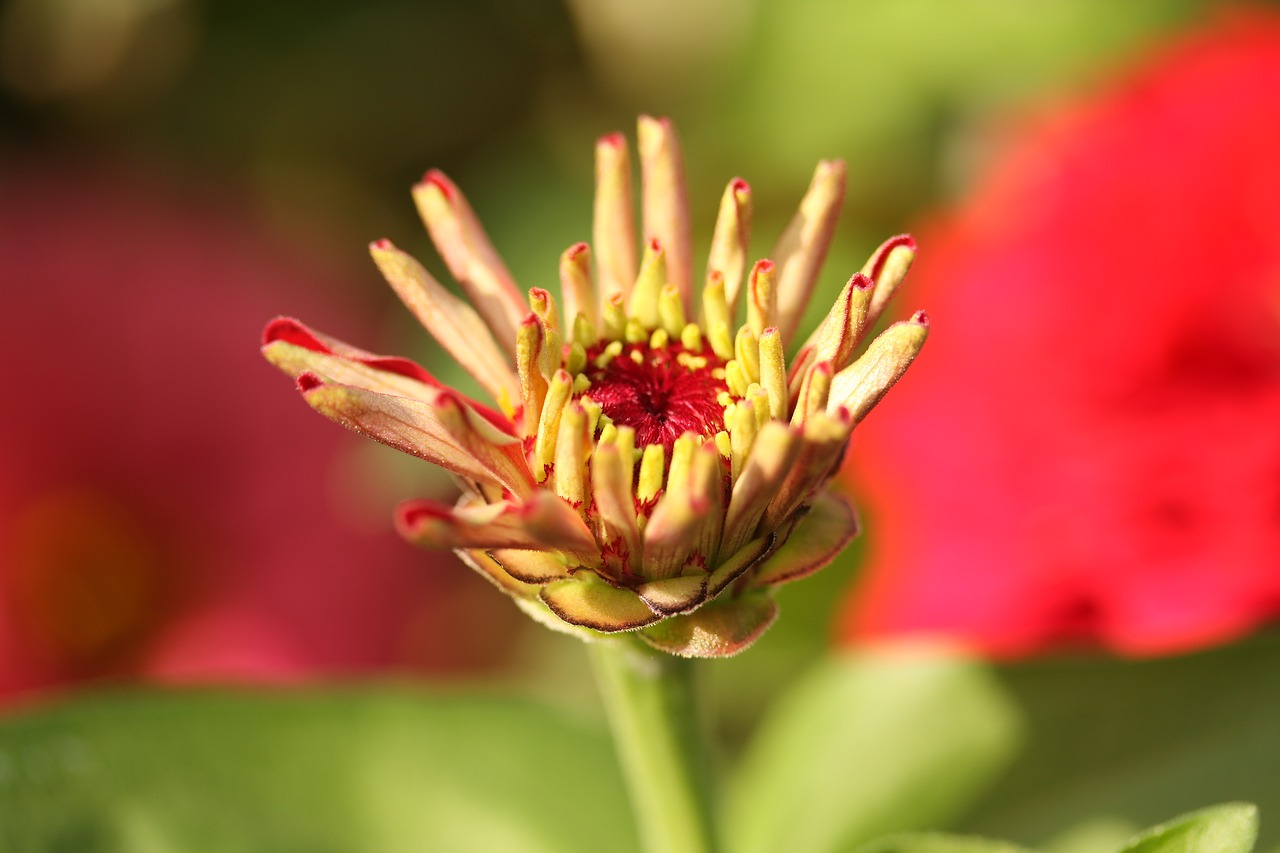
(1134, 741)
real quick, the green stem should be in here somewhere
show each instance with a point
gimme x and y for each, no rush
(649, 698)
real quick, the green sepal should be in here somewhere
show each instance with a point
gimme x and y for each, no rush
(719, 629)
(819, 537)
(586, 599)
(674, 595)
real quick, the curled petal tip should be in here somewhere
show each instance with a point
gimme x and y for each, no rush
(436, 178)
(308, 381)
(659, 121)
(285, 329)
(862, 282)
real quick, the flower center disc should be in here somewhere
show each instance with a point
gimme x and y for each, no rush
(660, 393)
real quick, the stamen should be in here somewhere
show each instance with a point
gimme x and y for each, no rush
(773, 371)
(746, 351)
(762, 297)
(643, 304)
(544, 448)
(691, 337)
(742, 435)
(718, 317)
(571, 447)
(671, 310)
(615, 317)
(533, 385)
(651, 465)
(577, 288)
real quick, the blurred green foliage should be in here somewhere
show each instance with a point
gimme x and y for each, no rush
(320, 115)
(341, 770)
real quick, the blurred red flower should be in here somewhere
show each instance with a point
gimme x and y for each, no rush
(1091, 452)
(164, 512)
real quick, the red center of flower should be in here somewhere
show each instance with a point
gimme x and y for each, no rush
(661, 394)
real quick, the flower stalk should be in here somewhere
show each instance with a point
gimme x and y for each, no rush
(649, 698)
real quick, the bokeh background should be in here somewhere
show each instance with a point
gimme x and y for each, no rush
(174, 173)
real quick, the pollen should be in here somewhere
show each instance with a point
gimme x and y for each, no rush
(660, 392)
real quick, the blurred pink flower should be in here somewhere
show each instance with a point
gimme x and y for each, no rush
(1093, 448)
(159, 517)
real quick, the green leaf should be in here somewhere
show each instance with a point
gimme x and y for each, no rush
(390, 769)
(1230, 828)
(1136, 741)
(889, 740)
(933, 842)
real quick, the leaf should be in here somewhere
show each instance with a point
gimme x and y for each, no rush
(1229, 828)
(1137, 741)
(889, 740)
(934, 842)
(316, 771)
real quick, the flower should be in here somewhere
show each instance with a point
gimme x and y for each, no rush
(642, 471)
(149, 527)
(1093, 454)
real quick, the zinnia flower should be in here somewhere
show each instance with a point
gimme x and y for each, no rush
(642, 470)
(1115, 480)
(149, 527)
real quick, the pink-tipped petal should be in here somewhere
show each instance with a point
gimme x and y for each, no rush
(686, 519)
(578, 290)
(837, 337)
(470, 256)
(443, 431)
(772, 456)
(666, 200)
(617, 532)
(826, 434)
(862, 384)
(802, 248)
(613, 229)
(762, 297)
(452, 322)
(539, 523)
(731, 240)
(887, 267)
